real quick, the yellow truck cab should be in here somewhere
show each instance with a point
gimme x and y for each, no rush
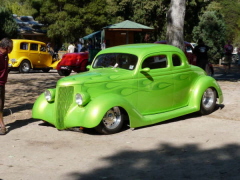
(30, 54)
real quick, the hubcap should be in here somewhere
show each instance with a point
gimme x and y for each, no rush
(25, 67)
(112, 118)
(208, 98)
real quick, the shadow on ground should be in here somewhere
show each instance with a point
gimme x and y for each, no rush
(232, 75)
(20, 123)
(168, 162)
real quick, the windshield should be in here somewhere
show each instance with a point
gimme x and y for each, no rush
(116, 60)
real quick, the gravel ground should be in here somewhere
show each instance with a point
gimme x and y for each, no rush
(188, 147)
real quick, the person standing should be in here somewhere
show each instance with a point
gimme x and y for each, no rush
(79, 46)
(201, 53)
(238, 53)
(6, 46)
(71, 48)
(228, 50)
(103, 45)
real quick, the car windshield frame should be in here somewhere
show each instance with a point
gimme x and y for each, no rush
(116, 60)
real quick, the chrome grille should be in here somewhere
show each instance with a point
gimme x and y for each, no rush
(64, 101)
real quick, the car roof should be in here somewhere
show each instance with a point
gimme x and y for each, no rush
(141, 49)
(27, 40)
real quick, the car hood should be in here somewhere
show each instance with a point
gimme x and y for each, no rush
(97, 76)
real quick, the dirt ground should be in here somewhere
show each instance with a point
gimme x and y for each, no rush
(188, 147)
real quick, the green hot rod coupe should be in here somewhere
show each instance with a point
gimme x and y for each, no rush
(140, 84)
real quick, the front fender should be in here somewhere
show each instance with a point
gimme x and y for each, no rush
(91, 115)
(200, 86)
(43, 110)
(19, 61)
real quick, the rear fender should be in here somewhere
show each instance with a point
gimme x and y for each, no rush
(199, 88)
(55, 64)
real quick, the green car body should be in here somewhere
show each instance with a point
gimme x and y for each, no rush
(156, 84)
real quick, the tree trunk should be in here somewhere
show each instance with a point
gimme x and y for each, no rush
(175, 23)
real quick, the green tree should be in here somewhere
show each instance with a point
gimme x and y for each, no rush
(231, 15)
(147, 12)
(8, 25)
(70, 20)
(211, 29)
(21, 7)
(194, 9)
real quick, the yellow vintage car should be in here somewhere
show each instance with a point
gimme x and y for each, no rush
(30, 54)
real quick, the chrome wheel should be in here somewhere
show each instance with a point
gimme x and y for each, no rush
(112, 121)
(24, 67)
(112, 118)
(208, 101)
(208, 98)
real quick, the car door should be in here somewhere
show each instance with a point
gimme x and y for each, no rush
(183, 78)
(155, 87)
(34, 55)
(44, 56)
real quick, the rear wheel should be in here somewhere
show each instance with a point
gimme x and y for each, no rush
(24, 66)
(64, 72)
(112, 121)
(208, 101)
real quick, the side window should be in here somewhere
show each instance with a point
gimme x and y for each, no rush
(155, 62)
(43, 48)
(176, 60)
(24, 46)
(34, 47)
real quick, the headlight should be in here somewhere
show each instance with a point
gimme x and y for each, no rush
(82, 98)
(79, 99)
(49, 95)
(13, 60)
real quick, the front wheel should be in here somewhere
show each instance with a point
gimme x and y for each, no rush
(24, 66)
(64, 72)
(112, 122)
(208, 101)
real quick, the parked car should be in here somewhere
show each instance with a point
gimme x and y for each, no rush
(72, 62)
(192, 59)
(140, 84)
(30, 54)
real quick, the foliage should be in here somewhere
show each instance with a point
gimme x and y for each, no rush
(231, 14)
(211, 29)
(69, 20)
(147, 12)
(20, 7)
(8, 25)
(194, 9)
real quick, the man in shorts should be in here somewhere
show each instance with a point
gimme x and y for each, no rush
(201, 51)
(228, 50)
(6, 46)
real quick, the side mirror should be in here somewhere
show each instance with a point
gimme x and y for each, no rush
(145, 69)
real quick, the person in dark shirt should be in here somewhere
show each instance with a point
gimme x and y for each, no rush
(228, 50)
(6, 46)
(201, 52)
